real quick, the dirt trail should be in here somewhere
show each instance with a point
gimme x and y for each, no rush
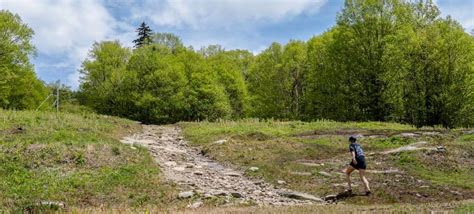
(200, 176)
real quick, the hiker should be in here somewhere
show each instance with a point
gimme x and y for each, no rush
(357, 162)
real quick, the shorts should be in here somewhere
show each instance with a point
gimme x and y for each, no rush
(360, 163)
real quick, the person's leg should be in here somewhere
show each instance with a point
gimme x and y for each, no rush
(349, 170)
(364, 179)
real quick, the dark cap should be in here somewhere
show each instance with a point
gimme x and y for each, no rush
(352, 139)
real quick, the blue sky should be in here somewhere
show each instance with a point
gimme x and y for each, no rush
(66, 29)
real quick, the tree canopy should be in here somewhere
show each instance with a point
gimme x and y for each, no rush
(391, 60)
(19, 87)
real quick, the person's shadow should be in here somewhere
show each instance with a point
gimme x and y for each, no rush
(341, 196)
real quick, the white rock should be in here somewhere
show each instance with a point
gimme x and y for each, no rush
(220, 141)
(170, 163)
(301, 196)
(195, 205)
(179, 168)
(281, 182)
(253, 169)
(187, 194)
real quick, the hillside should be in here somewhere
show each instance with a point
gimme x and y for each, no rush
(310, 157)
(74, 160)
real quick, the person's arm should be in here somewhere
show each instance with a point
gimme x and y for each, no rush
(353, 154)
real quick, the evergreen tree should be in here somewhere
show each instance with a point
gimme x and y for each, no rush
(144, 35)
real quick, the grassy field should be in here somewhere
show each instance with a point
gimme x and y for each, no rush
(75, 159)
(297, 152)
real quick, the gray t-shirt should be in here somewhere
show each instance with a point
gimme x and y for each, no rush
(355, 147)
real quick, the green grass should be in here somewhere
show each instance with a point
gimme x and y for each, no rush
(75, 159)
(278, 147)
(210, 130)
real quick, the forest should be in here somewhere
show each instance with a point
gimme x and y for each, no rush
(390, 60)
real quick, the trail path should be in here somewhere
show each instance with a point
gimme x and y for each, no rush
(197, 173)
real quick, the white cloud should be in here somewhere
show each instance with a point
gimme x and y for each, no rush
(200, 14)
(65, 28)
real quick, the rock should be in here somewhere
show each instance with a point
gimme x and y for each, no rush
(52, 204)
(431, 133)
(187, 194)
(232, 174)
(195, 205)
(281, 182)
(418, 195)
(330, 197)
(170, 163)
(198, 173)
(220, 142)
(300, 196)
(257, 192)
(179, 168)
(468, 132)
(344, 185)
(189, 165)
(253, 169)
(441, 149)
(301, 173)
(236, 195)
(455, 192)
(424, 186)
(218, 193)
(324, 174)
(407, 134)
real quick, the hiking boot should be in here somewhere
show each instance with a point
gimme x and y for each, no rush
(367, 193)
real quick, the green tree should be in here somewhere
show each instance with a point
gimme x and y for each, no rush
(19, 86)
(102, 76)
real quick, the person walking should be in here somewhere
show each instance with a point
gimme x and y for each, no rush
(357, 163)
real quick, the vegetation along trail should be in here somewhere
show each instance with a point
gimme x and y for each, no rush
(200, 176)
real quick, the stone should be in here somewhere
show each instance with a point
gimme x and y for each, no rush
(300, 196)
(198, 173)
(186, 194)
(236, 195)
(189, 165)
(407, 134)
(195, 205)
(52, 204)
(253, 169)
(324, 174)
(232, 174)
(301, 173)
(431, 133)
(170, 163)
(330, 197)
(179, 168)
(281, 182)
(424, 186)
(220, 141)
(441, 149)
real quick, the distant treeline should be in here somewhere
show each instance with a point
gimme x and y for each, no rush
(383, 61)
(390, 60)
